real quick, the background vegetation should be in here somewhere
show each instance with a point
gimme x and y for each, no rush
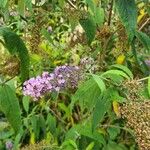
(74, 74)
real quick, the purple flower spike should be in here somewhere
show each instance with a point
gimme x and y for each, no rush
(63, 77)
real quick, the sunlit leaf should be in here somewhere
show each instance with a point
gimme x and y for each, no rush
(99, 82)
(124, 69)
(115, 72)
(90, 146)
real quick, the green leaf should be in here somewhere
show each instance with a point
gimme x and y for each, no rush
(101, 107)
(42, 124)
(86, 130)
(125, 69)
(89, 27)
(35, 125)
(25, 102)
(9, 105)
(3, 3)
(47, 35)
(91, 5)
(61, 3)
(99, 16)
(69, 145)
(90, 146)
(5, 134)
(73, 133)
(51, 123)
(3, 125)
(128, 14)
(17, 140)
(87, 94)
(99, 82)
(114, 95)
(29, 4)
(144, 39)
(115, 72)
(113, 132)
(74, 21)
(66, 109)
(21, 7)
(15, 45)
(111, 145)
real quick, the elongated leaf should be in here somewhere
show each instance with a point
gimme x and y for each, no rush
(42, 124)
(99, 16)
(17, 140)
(96, 12)
(69, 145)
(35, 125)
(89, 27)
(115, 72)
(128, 15)
(144, 39)
(9, 105)
(51, 123)
(25, 102)
(99, 82)
(90, 146)
(86, 131)
(91, 5)
(87, 94)
(15, 45)
(125, 69)
(101, 108)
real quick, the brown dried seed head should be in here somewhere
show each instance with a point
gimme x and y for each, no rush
(138, 118)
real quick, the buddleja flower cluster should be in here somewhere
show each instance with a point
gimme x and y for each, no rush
(63, 77)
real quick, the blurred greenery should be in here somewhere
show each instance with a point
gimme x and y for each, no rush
(109, 40)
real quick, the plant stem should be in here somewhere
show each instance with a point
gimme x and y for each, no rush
(7, 81)
(57, 116)
(110, 12)
(142, 79)
(144, 24)
(114, 126)
(71, 4)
